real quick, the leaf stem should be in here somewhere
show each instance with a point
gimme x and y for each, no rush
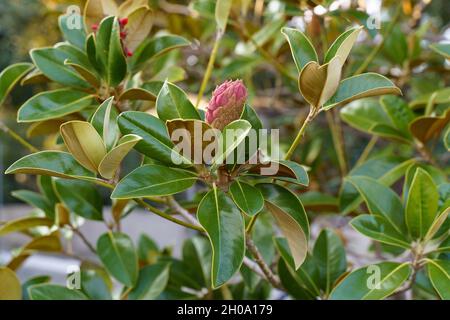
(373, 141)
(168, 216)
(212, 59)
(300, 134)
(84, 239)
(17, 137)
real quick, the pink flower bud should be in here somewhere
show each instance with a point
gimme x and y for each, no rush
(95, 27)
(226, 104)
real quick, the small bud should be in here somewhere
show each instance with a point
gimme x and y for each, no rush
(123, 35)
(123, 22)
(128, 52)
(226, 104)
(95, 27)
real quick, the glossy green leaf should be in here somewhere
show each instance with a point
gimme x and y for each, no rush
(94, 286)
(342, 45)
(31, 282)
(173, 103)
(378, 228)
(23, 224)
(116, 251)
(153, 180)
(301, 48)
(248, 198)
(155, 141)
(137, 94)
(104, 121)
(154, 47)
(381, 201)
(441, 48)
(54, 292)
(422, 204)
(151, 282)
(50, 62)
(361, 86)
(364, 114)
(36, 200)
(85, 202)
(232, 135)
(85, 73)
(386, 170)
(439, 274)
(439, 96)
(374, 282)
(399, 113)
(197, 252)
(53, 104)
(307, 277)
(10, 76)
(76, 36)
(109, 51)
(290, 215)
(224, 225)
(51, 163)
(112, 160)
(84, 143)
(329, 254)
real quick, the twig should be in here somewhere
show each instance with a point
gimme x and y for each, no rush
(272, 278)
(362, 158)
(337, 142)
(17, 137)
(299, 136)
(84, 239)
(174, 205)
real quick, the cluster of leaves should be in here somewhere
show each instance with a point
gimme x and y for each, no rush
(100, 112)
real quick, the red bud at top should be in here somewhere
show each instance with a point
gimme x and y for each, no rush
(95, 27)
(226, 104)
(123, 22)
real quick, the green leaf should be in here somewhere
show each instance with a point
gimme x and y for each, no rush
(153, 180)
(137, 94)
(112, 160)
(441, 48)
(374, 282)
(155, 141)
(422, 204)
(222, 11)
(54, 292)
(307, 277)
(51, 163)
(104, 121)
(154, 47)
(232, 135)
(286, 170)
(76, 36)
(386, 170)
(342, 45)
(94, 285)
(197, 252)
(399, 112)
(361, 86)
(147, 249)
(301, 48)
(440, 96)
(290, 283)
(224, 225)
(364, 114)
(85, 202)
(109, 51)
(173, 103)
(116, 251)
(439, 274)
(36, 200)
(31, 282)
(290, 216)
(53, 104)
(378, 228)
(50, 62)
(23, 224)
(10, 285)
(396, 46)
(10, 76)
(329, 254)
(381, 201)
(248, 198)
(84, 143)
(151, 282)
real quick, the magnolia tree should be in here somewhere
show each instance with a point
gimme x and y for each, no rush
(247, 196)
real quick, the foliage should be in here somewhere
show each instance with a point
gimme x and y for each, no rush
(111, 92)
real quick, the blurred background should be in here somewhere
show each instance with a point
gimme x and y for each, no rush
(256, 53)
